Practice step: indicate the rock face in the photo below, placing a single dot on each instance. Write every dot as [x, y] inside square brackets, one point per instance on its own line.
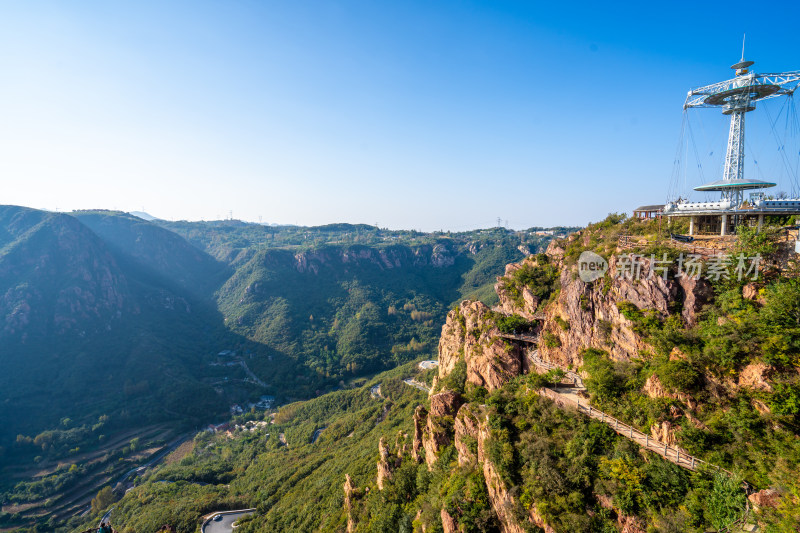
[420, 418]
[503, 503]
[438, 429]
[583, 315]
[384, 466]
[390, 460]
[469, 334]
[449, 524]
[349, 494]
[765, 498]
[663, 432]
[594, 318]
[507, 304]
[630, 524]
[466, 428]
[655, 389]
[697, 293]
[754, 376]
[587, 315]
[438, 255]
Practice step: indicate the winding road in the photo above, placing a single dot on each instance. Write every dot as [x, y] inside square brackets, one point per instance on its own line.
[225, 524]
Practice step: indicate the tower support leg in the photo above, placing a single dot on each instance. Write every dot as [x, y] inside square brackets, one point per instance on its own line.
[724, 230]
[760, 221]
[734, 156]
[691, 225]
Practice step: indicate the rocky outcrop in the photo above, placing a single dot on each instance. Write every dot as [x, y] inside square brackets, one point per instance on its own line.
[445, 404]
[664, 432]
[449, 524]
[587, 315]
[438, 429]
[349, 496]
[594, 318]
[765, 498]
[630, 524]
[503, 503]
[466, 429]
[655, 389]
[754, 376]
[385, 464]
[507, 305]
[390, 460]
[469, 334]
[420, 418]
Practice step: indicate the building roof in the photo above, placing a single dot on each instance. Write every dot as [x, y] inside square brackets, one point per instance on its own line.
[658, 207]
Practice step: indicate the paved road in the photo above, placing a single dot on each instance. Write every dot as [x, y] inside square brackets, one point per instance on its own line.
[417, 385]
[226, 524]
[316, 434]
[251, 375]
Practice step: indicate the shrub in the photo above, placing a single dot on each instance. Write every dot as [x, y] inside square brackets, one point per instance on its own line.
[550, 340]
[513, 324]
[679, 376]
[540, 279]
[457, 378]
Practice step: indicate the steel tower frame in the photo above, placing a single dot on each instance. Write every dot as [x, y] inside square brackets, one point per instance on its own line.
[736, 97]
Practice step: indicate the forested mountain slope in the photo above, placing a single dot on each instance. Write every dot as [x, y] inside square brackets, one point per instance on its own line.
[113, 324]
[707, 367]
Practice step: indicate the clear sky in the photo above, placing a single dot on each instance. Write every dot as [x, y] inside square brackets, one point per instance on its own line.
[409, 114]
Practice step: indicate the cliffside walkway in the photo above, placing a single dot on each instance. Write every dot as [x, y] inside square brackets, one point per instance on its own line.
[572, 399]
[534, 339]
[533, 359]
[670, 453]
[628, 242]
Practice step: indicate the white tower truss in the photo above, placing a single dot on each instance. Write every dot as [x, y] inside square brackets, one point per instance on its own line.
[736, 97]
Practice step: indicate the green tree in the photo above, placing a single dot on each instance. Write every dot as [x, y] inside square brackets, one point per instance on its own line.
[104, 498]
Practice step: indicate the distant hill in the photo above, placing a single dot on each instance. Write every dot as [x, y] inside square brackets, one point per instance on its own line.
[88, 330]
[143, 215]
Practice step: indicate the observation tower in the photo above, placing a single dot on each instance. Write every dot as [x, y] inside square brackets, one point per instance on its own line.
[736, 97]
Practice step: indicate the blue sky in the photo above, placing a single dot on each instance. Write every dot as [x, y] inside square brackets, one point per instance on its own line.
[424, 115]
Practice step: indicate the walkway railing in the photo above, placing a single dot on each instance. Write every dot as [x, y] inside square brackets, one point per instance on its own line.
[533, 358]
[520, 337]
[670, 453]
[629, 242]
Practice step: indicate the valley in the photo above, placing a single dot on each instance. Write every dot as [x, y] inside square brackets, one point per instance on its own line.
[119, 325]
[563, 406]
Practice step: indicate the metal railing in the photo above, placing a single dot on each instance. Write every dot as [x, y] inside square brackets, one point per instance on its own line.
[520, 337]
[534, 359]
[670, 453]
[629, 242]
